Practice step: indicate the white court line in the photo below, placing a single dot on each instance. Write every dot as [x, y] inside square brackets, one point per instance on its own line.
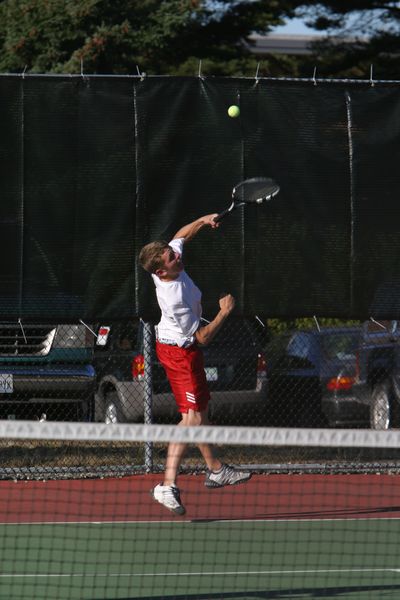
[202, 521]
[204, 573]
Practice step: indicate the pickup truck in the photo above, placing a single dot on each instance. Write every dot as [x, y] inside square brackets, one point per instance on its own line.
[46, 371]
[336, 376]
[376, 387]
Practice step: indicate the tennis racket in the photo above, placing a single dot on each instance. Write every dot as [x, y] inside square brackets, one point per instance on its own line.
[250, 191]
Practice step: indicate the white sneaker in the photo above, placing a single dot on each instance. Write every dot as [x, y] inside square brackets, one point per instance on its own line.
[227, 475]
[169, 496]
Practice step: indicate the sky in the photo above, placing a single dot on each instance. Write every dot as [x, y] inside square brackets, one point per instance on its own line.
[295, 27]
[354, 23]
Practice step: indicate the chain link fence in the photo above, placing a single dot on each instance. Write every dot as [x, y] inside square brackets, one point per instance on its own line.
[297, 374]
[260, 373]
[132, 389]
[272, 373]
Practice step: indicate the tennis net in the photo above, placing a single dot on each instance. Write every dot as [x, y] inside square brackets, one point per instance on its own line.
[89, 528]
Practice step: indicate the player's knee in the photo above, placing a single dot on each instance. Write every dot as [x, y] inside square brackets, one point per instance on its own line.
[194, 418]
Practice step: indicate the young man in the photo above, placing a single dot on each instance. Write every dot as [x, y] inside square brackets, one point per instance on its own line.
[178, 337]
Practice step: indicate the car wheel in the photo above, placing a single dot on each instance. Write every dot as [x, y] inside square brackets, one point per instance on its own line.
[112, 409]
[381, 406]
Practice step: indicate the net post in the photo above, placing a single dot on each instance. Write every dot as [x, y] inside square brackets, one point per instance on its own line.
[148, 391]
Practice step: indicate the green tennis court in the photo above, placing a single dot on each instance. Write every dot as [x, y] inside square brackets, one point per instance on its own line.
[279, 535]
[350, 558]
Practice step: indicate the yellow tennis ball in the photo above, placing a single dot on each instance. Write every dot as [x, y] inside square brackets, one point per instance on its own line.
[233, 111]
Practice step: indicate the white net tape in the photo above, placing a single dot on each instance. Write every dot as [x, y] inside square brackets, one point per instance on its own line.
[244, 436]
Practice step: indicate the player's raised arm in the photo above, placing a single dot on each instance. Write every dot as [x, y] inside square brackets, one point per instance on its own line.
[187, 232]
[204, 335]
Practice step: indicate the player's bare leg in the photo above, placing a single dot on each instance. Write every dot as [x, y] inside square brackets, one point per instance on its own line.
[219, 474]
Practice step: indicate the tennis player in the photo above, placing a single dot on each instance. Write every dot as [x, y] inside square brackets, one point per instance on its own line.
[179, 338]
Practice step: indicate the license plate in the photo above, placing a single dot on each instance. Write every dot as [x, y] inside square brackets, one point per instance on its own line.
[6, 384]
[211, 373]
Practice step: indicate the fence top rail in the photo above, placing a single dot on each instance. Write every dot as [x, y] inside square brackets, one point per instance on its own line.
[257, 78]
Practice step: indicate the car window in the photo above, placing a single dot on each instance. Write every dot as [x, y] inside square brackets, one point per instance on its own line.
[290, 351]
[127, 338]
[124, 342]
[299, 345]
[342, 346]
[235, 333]
[123, 337]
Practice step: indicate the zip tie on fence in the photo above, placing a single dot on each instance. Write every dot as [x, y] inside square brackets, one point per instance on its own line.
[257, 71]
[22, 329]
[83, 75]
[199, 73]
[88, 328]
[317, 324]
[259, 320]
[23, 72]
[314, 76]
[377, 322]
[371, 70]
[142, 75]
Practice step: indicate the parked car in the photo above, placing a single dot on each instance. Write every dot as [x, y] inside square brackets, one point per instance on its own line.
[234, 367]
[46, 371]
[377, 386]
[370, 395]
[311, 375]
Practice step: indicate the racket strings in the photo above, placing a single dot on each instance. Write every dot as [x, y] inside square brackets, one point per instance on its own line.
[255, 189]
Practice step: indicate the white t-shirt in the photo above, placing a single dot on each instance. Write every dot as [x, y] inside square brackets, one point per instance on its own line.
[180, 304]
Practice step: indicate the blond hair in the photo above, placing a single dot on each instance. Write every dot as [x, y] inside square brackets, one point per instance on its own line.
[150, 256]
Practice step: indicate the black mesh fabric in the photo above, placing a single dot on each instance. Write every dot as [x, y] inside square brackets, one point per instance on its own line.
[92, 168]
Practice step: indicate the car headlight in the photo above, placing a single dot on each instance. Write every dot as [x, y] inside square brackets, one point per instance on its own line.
[73, 336]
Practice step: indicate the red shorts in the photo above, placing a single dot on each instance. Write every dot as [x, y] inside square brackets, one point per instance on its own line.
[185, 371]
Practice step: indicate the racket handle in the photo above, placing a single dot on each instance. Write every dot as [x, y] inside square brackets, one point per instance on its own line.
[222, 215]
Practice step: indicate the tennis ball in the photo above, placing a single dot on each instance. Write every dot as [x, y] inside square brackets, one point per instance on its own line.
[233, 111]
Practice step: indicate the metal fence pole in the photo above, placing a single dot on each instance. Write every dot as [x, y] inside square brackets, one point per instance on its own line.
[148, 391]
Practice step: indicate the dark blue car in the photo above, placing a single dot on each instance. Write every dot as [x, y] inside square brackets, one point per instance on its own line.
[311, 376]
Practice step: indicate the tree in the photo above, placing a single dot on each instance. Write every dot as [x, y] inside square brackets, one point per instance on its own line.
[117, 36]
[172, 36]
[361, 33]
